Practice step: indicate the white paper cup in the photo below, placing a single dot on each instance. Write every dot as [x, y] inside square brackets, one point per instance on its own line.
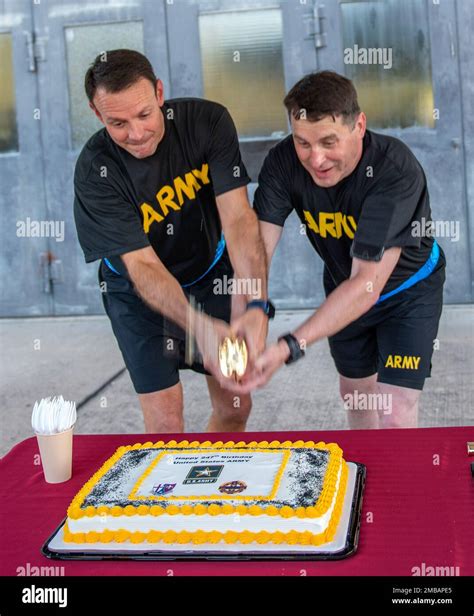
[56, 455]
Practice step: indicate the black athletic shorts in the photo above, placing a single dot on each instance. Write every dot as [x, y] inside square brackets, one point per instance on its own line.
[152, 346]
[395, 338]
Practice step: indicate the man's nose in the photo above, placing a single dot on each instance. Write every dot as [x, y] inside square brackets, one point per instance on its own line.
[136, 132]
[317, 158]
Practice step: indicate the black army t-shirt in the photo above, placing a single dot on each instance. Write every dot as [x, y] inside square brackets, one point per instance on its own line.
[167, 200]
[367, 212]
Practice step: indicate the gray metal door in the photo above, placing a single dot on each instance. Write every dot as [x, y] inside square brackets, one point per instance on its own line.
[72, 34]
[403, 58]
[25, 244]
[244, 54]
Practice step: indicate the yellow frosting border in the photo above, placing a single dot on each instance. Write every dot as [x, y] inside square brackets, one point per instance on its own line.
[229, 537]
[276, 484]
[75, 510]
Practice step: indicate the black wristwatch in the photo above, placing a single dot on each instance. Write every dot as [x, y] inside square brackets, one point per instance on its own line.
[265, 305]
[296, 352]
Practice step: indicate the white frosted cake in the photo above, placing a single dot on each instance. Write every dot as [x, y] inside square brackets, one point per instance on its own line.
[218, 493]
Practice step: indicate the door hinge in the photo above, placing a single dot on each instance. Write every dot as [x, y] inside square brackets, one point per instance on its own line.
[52, 271]
[35, 50]
[317, 26]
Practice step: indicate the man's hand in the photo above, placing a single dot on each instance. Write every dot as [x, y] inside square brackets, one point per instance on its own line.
[253, 327]
[209, 333]
[264, 368]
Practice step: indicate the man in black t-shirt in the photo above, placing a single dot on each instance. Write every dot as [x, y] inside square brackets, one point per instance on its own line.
[161, 199]
[360, 197]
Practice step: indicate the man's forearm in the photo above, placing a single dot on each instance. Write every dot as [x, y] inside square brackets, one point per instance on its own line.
[247, 254]
[345, 304]
[162, 292]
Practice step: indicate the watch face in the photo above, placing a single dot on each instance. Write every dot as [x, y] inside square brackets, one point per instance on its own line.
[296, 352]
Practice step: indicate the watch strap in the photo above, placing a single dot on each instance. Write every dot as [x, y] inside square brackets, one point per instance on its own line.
[296, 352]
[265, 305]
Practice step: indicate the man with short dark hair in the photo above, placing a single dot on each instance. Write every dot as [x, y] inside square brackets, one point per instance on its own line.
[161, 199]
[358, 194]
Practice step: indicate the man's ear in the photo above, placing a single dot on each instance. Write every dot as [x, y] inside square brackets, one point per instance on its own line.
[361, 123]
[159, 92]
[94, 109]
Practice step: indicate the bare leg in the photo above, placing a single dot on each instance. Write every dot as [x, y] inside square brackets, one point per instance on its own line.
[403, 408]
[163, 410]
[353, 392]
[229, 410]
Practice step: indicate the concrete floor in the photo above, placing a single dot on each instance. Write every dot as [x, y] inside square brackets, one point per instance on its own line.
[78, 358]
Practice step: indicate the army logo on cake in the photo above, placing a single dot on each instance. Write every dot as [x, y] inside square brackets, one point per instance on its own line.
[204, 474]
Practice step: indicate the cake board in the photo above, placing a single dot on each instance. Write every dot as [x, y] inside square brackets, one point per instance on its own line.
[344, 544]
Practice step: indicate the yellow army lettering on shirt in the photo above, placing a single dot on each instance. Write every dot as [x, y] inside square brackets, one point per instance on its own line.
[332, 223]
[407, 362]
[171, 197]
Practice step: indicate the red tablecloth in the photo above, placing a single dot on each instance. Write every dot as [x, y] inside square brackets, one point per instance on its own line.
[418, 505]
